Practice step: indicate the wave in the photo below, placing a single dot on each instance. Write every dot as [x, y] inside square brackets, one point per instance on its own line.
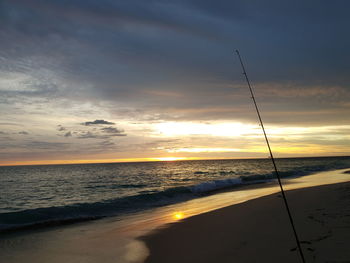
[42, 217]
[87, 211]
[60, 215]
[215, 185]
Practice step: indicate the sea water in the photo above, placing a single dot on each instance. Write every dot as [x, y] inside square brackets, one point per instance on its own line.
[58, 194]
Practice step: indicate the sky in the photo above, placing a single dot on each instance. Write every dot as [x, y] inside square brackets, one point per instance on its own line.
[105, 81]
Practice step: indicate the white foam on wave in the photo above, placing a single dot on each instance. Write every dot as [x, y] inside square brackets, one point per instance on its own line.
[215, 185]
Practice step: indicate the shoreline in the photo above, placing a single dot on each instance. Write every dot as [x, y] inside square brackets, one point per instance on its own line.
[120, 240]
[192, 195]
[46, 225]
[258, 230]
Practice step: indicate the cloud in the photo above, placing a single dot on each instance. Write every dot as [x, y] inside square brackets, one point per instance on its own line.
[111, 69]
[68, 134]
[23, 133]
[159, 61]
[92, 132]
[112, 130]
[86, 135]
[97, 122]
[61, 128]
[95, 135]
[106, 143]
[44, 145]
[9, 124]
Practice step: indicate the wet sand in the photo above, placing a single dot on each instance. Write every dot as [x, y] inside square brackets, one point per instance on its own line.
[259, 230]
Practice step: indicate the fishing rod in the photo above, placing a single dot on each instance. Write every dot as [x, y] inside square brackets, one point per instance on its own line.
[272, 159]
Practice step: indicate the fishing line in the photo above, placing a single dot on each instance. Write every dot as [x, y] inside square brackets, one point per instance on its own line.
[272, 159]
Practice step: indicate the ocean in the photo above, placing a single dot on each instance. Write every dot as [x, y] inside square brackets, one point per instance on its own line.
[44, 195]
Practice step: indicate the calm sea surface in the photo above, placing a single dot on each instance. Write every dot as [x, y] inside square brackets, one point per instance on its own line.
[54, 194]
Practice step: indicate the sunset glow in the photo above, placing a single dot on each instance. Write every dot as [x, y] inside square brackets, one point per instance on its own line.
[210, 129]
[170, 158]
[203, 150]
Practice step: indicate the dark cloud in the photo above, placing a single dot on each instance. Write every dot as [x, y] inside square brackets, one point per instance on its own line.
[61, 128]
[112, 130]
[23, 133]
[97, 122]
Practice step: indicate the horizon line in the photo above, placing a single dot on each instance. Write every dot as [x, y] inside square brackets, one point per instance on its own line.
[155, 159]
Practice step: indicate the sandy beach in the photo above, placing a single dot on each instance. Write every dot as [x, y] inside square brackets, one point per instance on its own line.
[259, 231]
